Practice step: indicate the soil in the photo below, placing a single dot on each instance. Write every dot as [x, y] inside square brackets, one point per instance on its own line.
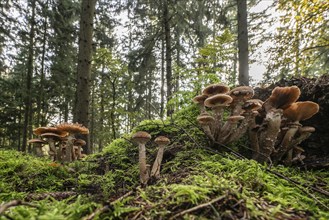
[317, 90]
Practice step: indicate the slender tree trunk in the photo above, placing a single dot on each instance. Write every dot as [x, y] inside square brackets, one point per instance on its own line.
[162, 92]
[28, 98]
[40, 97]
[243, 43]
[84, 66]
[168, 55]
[114, 95]
[102, 110]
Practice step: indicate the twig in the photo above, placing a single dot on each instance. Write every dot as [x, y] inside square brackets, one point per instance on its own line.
[55, 195]
[13, 203]
[97, 212]
[321, 191]
[198, 207]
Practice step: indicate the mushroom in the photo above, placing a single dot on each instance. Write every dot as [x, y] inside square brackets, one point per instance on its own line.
[206, 121]
[240, 95]
[229, 127]
[161, 141]
[249, 111]
[268, 134]
[200, 101]
[282, 97]
[298, 111]
[297, 157]
[37, 143]
[78, 143]
[51, 139]
[215, 89]
[72, 129]
[218, 103]
[141, 138]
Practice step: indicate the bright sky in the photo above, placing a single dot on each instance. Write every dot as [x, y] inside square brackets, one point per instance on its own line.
[258, 69]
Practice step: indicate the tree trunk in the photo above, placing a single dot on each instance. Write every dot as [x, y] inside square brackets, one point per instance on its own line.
[40, 97]
[28, 98]
[84, 66]
[162, 92]
[168, 55]
[243, 43]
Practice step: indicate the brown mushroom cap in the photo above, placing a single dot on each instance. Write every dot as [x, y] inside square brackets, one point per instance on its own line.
[282, 97]
[162, 140]
[36, 141]
[79, 142]
[55, 130]
[141, 137]
[51, 135]
[300, 111]
[205, 119]
[73, 128]
[199, 99]
[252, 105]
[214, 89]
[235, 118]
[242, 92]
[218, 100]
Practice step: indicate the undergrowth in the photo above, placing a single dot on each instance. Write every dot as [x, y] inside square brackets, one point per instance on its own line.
[191, 176]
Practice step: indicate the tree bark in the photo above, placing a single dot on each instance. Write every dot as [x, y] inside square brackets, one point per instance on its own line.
[168, 55]
[243, 43]
[84, 66]
[28, 98]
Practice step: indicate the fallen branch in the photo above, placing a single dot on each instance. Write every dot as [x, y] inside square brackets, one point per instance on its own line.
[55, 195]
[198, 207]
[14, 203]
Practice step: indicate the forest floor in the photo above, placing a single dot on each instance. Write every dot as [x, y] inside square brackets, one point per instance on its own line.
[197, 182]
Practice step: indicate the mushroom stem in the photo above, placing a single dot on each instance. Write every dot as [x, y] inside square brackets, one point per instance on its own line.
[69, 149]
[218, 113]
[52, 148]
[38, 150]
[207, 131]
[144, 177]
[157, 163]
[284, 147]
[269, 135]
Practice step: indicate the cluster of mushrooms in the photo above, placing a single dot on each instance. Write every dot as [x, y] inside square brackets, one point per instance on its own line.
[63, 145]
[141, 138]
[273, 126]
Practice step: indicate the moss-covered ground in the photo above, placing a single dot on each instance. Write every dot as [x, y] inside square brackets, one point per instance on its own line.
[196, 183]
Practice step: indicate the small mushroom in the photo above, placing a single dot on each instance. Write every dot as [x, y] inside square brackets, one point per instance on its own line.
[229, 127]
[51, 139]
[206, 121]
[200, 101]
[161, 141]
[72, 129]
[79, 143]
[141, 138]
[296, 112]
[218, 103]
[37, 143]
[215, 89]
[240, 95]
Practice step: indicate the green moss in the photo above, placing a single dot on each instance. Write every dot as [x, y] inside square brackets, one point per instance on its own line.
[190, 176]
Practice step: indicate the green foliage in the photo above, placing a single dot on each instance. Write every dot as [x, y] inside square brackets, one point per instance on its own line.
[23, 173]
[70, 209]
